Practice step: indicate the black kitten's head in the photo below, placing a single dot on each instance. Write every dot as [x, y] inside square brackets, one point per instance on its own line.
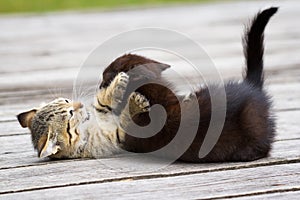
[135, 66]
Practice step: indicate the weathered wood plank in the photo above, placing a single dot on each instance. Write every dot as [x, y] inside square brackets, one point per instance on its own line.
[16, 144]
[53, 52]
[293, 194]
[35, 80]
[61, 30]
[13, 104]
[29, 172]
[284, 95]
[229, 66]
[287, 125]
[11, 128]
[225, 53]
[203, 185]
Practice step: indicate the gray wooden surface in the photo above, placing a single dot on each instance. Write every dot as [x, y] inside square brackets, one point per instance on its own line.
[40, 56]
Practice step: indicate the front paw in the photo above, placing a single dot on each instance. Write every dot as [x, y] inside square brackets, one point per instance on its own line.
[138, 103]
[119, 87]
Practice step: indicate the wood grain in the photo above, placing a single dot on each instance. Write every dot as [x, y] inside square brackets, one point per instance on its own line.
[29, 173]
[40, 56]
[211, 185]
[280, 194]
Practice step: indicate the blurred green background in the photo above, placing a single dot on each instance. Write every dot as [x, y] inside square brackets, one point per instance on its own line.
[14, 6]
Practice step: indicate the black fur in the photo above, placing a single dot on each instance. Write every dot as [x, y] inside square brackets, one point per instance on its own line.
[254, 47]
[249, 127]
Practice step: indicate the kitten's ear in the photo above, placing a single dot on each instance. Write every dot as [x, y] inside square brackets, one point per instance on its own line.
[25, 118]
[47, 146]
[163, 67]
[147, 71]
[156, 68]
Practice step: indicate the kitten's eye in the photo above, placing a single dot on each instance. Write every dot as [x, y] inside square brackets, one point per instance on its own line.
[66, 101]
[71, 112]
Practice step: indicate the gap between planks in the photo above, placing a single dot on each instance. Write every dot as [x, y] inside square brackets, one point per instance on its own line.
[99, 171]
[161, 175]
[255, 194]
[279, 194]
[196, 184]
[282, 150]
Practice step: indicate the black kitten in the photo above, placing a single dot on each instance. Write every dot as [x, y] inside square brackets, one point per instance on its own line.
[249, 128]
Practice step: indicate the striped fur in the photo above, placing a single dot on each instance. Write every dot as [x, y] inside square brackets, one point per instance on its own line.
[66, 129]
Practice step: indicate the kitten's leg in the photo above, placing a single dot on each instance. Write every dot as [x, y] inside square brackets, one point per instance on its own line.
[110, 97]
[136, 104]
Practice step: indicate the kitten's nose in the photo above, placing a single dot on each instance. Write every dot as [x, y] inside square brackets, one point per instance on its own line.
[77, 105]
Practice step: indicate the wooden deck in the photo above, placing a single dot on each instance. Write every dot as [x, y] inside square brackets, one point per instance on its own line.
[41, 54]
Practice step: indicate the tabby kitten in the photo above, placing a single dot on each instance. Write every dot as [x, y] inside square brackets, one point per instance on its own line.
[66, 129]
[249, 128]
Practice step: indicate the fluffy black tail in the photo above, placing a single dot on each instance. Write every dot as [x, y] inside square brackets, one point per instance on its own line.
[254, 47]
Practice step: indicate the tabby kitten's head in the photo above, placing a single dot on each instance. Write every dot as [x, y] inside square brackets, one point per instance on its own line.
[54, 127]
